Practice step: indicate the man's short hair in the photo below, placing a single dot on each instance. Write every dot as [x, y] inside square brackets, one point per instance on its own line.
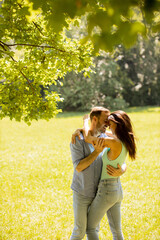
[96, 111]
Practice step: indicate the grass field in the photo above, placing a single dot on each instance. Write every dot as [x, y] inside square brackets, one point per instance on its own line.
[36, 173]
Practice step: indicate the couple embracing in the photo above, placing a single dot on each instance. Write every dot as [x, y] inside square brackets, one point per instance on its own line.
[99, 161]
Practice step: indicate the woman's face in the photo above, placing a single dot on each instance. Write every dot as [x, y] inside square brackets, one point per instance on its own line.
[112, 126]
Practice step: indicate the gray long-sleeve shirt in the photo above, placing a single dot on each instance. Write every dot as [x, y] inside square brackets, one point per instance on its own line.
[86, 181]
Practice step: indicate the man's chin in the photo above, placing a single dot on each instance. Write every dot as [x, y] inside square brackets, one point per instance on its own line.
[103, 130]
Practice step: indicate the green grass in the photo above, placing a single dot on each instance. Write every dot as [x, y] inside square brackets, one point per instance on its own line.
[36, 174]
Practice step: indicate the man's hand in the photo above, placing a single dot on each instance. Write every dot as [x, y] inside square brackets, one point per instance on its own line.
[99, 145]
[76, 134]
[86, 162]
[115, 172]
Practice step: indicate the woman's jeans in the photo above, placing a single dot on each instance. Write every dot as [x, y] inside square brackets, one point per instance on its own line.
[108, 199]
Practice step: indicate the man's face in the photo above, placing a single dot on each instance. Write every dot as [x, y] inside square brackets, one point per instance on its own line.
[102, 123]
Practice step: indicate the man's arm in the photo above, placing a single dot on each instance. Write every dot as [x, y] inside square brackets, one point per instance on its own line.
[77, 151]
[86, 162]
[116, 172]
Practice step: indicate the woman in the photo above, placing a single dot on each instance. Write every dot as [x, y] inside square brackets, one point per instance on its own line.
[109, 195]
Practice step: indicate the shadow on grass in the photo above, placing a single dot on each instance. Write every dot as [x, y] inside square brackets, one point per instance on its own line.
[128, 110]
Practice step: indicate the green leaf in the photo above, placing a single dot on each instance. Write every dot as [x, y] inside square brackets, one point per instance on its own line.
[156, 28]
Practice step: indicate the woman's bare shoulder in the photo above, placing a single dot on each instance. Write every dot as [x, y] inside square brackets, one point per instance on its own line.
[114, 142]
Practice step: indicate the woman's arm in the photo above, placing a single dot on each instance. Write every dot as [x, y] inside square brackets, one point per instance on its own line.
[83, 130]
[85, 124]
[110, 142]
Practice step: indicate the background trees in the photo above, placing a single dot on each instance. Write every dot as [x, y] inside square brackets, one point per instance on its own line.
[141, 63]
[128, 77]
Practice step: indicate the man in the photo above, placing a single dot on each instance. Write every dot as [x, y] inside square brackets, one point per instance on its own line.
[87, 163]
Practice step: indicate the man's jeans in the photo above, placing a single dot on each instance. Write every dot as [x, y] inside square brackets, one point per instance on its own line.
[108, 199]
[80, 207]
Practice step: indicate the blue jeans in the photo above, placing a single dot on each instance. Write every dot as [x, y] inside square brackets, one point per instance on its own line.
[80, 207]
[108, 199]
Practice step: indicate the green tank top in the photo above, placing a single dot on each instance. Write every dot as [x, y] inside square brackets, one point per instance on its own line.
[120, 159]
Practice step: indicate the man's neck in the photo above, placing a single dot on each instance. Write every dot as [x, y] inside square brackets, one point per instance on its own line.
[94, 132]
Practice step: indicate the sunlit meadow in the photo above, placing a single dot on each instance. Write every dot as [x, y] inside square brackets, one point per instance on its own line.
[36, 174]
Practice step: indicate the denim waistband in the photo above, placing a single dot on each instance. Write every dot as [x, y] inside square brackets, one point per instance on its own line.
[110, 180]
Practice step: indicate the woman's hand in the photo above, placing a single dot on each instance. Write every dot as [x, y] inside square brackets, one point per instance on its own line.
[109, 134]
[76, 134]
[86, 117]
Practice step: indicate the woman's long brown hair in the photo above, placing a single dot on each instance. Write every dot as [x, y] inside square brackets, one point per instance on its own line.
[124, 131]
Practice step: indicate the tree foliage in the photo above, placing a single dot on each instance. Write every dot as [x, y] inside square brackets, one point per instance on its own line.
[35, 52]
[109, 22]
[33, 57]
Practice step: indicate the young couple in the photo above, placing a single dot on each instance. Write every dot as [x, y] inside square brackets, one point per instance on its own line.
[98, 161]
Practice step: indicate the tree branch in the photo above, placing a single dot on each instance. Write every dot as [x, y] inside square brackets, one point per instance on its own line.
[37, 26]
[143, 18]
[33, 45]
[20, 71]
[27, 80]
[2, 44]
[2, 51]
